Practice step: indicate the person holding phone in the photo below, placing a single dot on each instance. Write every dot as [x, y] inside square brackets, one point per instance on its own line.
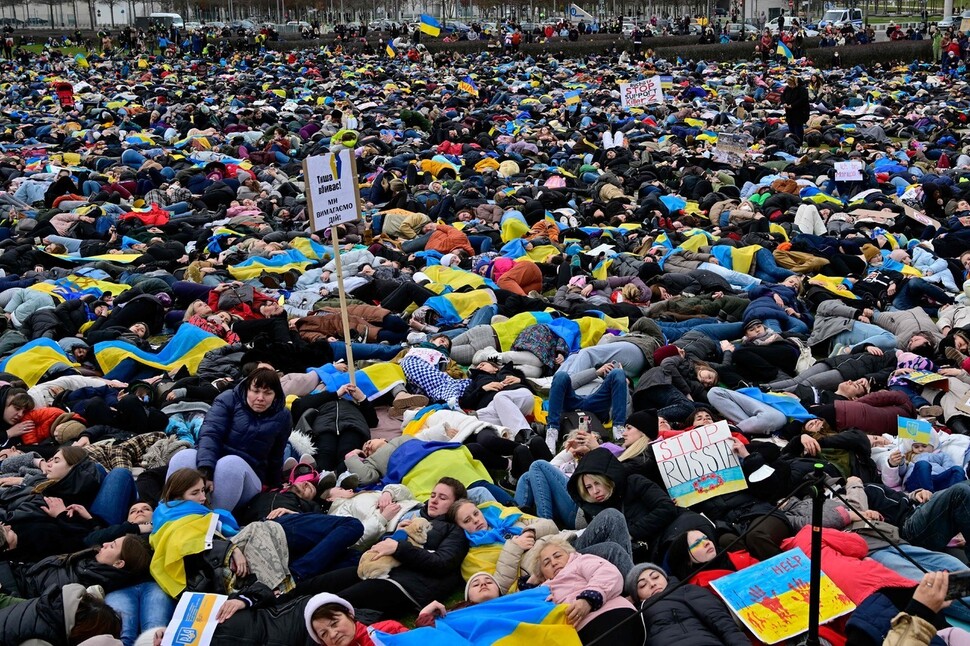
[915, 625]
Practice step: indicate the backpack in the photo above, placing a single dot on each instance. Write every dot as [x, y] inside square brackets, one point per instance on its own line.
[209, 571]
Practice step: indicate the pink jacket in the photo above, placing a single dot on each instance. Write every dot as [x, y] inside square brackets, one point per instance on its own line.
[588, 572]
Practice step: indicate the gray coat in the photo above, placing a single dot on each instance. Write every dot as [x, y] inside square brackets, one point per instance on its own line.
[373, 468]
[833, 317]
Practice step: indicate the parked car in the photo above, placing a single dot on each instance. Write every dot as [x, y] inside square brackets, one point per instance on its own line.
[37, 22]
[733, 30]
[838, 18]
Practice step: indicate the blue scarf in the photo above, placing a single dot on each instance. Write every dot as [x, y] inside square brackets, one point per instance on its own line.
[499, 529]
[169, 511]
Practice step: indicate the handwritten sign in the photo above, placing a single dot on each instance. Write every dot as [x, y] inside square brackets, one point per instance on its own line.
[771, 598]
[699, 464]
[194, 620]
[918, 430]
[331, 185]
[848, 171]
[640, 93]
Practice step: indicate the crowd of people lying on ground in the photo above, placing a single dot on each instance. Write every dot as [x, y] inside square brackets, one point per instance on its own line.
[540, 288]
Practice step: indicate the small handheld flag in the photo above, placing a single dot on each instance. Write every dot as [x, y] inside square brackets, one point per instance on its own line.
[571, 97]
[391, 52]
[468, 85]
[429, 25]
[784, 51]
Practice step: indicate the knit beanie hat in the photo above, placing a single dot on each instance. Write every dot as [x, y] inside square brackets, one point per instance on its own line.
[870, 252]
[630, 581]
[475, 576]
[645, 422]
[664, 352]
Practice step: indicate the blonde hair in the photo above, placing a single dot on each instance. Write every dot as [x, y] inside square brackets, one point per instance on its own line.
[532, 559]
[598, 479]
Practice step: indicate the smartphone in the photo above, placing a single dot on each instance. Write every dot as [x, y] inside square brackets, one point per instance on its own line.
[584, 423]
[959, 586]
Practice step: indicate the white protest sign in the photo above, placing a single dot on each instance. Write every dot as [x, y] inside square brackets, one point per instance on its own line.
[645, 92]
[331, 187]
[194, 620]
[699, 464]
[848, 171]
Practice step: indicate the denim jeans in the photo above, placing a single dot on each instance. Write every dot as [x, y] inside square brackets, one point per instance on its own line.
[142, 607]
[365, 351]
[916, 291]
[116, 495]
[767, 269]
[735, 278]
[544, 487]
[717, 330]
[922, 477]
[931, 561]
[783, 324]
[941, 518]
[607, 402]
[866, 333]
[670, 403]
[317, 541]
[608, 526]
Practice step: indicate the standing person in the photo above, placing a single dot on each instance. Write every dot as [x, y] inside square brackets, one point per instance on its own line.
[795, 99]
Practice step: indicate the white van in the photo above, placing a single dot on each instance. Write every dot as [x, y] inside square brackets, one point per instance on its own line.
[167, 19]
[838, 18]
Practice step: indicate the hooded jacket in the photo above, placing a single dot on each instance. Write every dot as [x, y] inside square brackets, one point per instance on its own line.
[63, 569]
[47, 619]
[648, 509]
[231, 427]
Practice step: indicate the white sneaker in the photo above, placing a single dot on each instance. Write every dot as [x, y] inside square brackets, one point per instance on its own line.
[552, 439]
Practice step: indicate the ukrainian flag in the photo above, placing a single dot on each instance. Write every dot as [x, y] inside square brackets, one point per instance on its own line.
[373, 380]
[186, 348]
[784, 51]
[32, 360]
[429, 25]
[572, 97]
[278, 264]
[521, 618]
[468, 85]
[391, 52]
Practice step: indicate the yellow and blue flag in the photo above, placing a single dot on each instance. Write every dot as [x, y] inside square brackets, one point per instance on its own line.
[279, 264]
[391, 52]
[374, 380]
[784, 51]
[572, 97]
[521, 618]
[186, 348]
[429, 25]
[468, 85]
[33, 359]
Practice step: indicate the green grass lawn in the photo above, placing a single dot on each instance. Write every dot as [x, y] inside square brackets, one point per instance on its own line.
[877, 20]
[66, 51]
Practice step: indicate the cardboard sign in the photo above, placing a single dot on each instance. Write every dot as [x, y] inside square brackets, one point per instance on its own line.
[848, 171]
[331, 187]
[732, 148]
[771, 598]
[194, 620]
[922, 378]
[918, 430]
[645, 92]
[699, 464]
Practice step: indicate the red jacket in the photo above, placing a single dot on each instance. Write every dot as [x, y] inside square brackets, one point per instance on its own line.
[245, 311]
[362, 636]
[845, 561]
[740, 560]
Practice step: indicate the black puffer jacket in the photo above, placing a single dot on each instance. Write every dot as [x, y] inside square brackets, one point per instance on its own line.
[433, 572]
[58, 571]
[645, 505]
[690, 616]
[48, 618]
